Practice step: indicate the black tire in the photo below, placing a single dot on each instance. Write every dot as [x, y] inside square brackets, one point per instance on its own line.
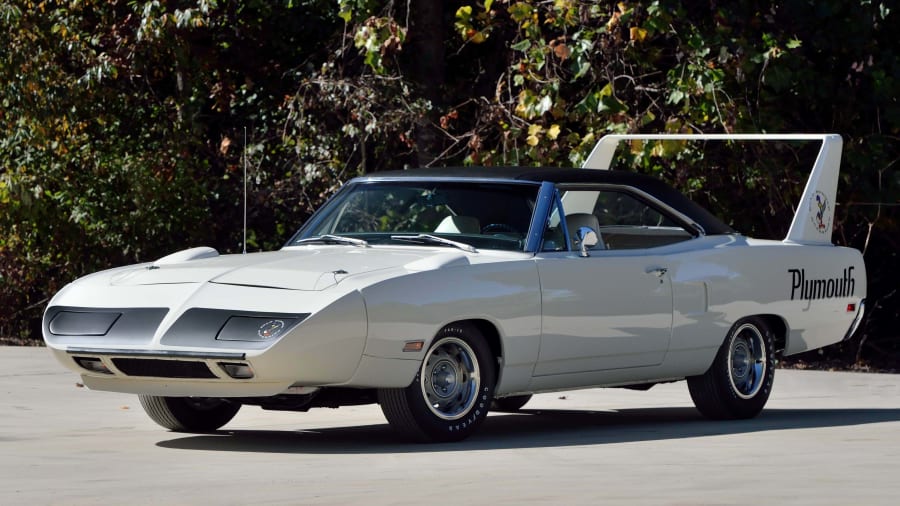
[189, 414]
[510, 404]
[451, 393]
[739, 382]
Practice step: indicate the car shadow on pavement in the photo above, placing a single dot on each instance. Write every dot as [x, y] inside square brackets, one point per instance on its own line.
[531, 429]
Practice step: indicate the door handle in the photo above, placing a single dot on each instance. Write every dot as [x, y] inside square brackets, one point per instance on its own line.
[657, 271]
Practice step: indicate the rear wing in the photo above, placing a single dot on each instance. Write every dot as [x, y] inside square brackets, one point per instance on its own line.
[815, 212]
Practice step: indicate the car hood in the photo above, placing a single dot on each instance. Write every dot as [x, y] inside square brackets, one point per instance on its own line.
[297, 268]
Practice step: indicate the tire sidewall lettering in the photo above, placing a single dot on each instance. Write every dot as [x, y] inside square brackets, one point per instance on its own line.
[478, 411]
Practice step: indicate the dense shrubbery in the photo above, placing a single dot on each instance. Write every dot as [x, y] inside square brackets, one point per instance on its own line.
[123, 122]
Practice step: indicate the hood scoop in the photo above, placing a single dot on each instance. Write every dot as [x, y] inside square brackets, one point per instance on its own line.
[186, 256]
[155, 274]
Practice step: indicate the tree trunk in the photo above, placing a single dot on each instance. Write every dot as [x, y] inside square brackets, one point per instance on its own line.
[425, 46]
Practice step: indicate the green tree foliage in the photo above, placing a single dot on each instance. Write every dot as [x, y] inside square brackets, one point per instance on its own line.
[121, 124]
[123, 121]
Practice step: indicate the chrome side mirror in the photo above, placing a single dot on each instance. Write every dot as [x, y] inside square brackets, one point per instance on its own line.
[587, 239]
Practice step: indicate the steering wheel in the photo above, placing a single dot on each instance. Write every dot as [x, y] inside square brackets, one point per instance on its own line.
[498, 227]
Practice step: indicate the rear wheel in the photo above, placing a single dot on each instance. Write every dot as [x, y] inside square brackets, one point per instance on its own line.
[452, 392]
[189, 414]
[510, 404]
[739, 382]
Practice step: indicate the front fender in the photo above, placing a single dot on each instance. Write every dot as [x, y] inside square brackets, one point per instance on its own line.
[416, 306]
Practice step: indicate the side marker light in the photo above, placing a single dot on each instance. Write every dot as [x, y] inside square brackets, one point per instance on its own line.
[413, 346]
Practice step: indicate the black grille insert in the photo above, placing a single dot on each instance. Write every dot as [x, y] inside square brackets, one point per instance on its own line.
[158, 368]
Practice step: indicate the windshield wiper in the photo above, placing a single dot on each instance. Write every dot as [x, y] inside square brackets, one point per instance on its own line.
[433, 239]
[334, 239]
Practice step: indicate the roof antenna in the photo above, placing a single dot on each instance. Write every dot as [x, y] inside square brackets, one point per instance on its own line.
[245, 190]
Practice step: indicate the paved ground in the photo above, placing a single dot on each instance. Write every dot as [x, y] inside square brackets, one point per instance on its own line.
[826, 438]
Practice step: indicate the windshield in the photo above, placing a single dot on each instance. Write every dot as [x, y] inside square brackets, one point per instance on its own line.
[479, 214]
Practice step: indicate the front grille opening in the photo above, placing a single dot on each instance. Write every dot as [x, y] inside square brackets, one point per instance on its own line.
[156, 368]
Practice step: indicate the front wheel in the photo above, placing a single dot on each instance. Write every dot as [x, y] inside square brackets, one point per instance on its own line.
[452, 392]
[739, 382]
[189, 414]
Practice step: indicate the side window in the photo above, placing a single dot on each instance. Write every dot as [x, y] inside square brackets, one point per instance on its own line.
[622, 219]
[616, 208]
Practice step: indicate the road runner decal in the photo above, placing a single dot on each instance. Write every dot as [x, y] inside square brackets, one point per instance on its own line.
[809, 289]
[820, 212]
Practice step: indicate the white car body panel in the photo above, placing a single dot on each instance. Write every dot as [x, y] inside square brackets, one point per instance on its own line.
[598, 326]
[561, 321]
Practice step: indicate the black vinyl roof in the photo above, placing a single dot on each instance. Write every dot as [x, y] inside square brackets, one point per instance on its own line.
[647, 184]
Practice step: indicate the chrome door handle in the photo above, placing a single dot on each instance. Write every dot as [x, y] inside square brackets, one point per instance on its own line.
[657, 271]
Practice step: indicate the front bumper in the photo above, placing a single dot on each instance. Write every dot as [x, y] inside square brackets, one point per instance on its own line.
[185, 354]
[166, 373]
[325, 349]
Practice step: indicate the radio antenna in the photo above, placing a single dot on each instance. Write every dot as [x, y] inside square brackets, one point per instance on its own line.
[245, 190]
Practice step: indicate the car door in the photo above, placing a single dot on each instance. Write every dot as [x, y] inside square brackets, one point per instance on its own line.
[613, 308]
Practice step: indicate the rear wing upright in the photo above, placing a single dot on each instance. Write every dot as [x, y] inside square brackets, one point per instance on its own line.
[815, 212]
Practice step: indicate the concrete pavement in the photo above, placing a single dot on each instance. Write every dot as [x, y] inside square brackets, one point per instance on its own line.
[825, 438]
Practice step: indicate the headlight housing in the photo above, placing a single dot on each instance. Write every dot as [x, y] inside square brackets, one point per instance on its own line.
[83, 323]
[257, 328]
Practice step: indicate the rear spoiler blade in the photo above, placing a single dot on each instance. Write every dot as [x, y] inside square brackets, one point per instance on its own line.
[814, 215]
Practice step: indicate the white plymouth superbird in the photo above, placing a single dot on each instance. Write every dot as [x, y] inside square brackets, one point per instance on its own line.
[443, 293]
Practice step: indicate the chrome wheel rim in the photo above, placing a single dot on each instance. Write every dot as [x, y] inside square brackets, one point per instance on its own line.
[747, 365]
[450, 378]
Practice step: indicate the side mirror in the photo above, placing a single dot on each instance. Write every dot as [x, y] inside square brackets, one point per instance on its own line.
[587, 239]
